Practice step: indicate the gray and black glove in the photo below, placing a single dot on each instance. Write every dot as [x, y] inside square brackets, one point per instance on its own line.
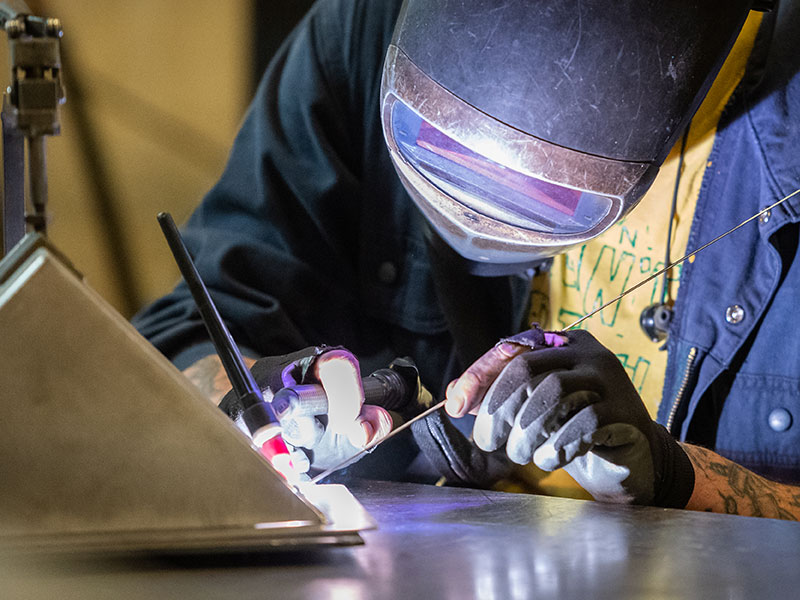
[314, 444]
[273, 373]
[311, 444]
[575, 407]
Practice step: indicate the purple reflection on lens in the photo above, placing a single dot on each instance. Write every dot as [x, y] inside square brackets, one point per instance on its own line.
[560, 198]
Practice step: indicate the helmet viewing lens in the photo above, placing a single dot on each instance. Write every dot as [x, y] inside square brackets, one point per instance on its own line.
[491, 188]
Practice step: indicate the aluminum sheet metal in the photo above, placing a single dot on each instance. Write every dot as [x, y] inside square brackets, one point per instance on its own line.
[457, 543]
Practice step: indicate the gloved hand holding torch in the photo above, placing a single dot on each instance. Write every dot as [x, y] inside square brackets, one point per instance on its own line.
[321, 400]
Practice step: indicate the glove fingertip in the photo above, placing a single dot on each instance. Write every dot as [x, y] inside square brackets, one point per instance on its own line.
[485, 435]
[300, 461]
[520, 458]
[548, 458]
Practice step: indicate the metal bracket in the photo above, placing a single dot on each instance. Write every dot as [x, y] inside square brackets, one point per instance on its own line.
[30, 112]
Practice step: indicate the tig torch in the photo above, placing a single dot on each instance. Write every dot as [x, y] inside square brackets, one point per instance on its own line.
[385, 387]
[258, 415]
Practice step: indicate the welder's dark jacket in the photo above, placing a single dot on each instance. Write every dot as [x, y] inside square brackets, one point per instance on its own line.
[310, 238]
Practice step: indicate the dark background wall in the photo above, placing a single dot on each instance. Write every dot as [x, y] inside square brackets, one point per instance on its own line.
[272, 23]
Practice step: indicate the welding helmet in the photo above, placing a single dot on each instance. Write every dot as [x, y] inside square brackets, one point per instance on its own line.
[525, 127]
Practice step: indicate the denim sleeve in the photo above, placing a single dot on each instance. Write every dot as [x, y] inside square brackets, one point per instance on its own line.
[276, 239]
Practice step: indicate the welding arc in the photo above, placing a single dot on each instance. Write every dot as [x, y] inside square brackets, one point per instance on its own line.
[436, 407]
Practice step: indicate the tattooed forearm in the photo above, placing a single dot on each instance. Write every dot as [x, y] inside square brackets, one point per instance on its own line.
[209, 376]
[723, 486]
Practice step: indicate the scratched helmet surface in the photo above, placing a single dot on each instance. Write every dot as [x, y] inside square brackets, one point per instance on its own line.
[523, 128]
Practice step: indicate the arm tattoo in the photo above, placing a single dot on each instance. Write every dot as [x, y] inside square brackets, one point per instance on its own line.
[723, 486]
[209, 377]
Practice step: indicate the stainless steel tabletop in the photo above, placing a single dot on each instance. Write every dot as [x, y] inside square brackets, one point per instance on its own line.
[458, 543]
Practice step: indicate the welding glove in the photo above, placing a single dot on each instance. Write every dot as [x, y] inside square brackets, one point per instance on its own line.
[319, 442]
[575, 407]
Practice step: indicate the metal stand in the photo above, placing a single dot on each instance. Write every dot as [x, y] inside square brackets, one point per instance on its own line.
[30, 112]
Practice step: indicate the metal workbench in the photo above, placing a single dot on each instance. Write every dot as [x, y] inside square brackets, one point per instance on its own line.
[457, 543]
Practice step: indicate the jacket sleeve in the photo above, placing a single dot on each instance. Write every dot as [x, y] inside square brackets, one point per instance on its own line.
[275, 240]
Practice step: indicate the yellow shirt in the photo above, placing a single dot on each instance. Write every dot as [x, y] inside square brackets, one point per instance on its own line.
[587, 276]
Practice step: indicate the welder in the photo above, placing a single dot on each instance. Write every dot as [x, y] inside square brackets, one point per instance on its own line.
[424, 178]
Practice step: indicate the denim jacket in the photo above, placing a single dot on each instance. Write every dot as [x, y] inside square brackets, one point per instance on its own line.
[733, 374]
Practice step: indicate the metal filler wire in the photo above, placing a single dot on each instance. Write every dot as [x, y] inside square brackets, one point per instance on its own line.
[679, 261]
[375, 443]
[435, 407]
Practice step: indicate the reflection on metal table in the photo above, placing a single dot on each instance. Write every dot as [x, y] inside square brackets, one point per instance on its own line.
[459, 543]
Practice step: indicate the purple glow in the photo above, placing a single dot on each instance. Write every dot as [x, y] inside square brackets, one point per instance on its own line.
[560, 198]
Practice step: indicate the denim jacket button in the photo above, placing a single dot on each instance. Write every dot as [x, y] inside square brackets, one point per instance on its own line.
[764, 217]
[734, 314]
[387, 272]
[780, 419]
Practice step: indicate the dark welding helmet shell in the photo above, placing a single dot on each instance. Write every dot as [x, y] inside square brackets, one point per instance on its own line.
[525, 127]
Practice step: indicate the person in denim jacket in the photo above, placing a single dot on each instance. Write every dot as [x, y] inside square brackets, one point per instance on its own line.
[309, 237]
